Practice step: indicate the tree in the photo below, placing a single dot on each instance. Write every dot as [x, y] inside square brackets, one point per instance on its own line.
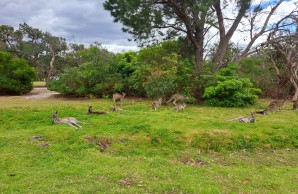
[282, 43]
[151, 21]
[55, 46]
[7, 38]
[33, 45]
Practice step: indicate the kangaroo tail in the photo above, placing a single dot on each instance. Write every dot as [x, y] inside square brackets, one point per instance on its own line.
[102, 112]
[262, 112]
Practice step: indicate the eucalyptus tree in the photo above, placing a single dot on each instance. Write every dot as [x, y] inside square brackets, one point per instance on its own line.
[35, 46]
[7, 38]
[282, 44]
[55, 46]
[152, 21]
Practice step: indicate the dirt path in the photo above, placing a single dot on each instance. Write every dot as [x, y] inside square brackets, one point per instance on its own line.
[40, 93]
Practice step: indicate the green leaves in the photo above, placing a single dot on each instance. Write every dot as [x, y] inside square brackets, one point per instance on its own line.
[16, 76]
[97, 76]
[230, 90]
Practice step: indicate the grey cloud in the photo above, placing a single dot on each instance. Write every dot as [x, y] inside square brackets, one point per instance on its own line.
[81, 21]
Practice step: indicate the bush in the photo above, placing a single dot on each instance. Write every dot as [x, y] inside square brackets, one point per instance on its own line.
[16, 76]
[96, 78]
[230, 91]
[160, 86]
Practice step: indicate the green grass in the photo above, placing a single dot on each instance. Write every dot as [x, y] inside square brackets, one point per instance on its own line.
[39, 84]
[139, 150]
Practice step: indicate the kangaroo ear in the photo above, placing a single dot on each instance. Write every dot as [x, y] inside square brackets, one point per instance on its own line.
[56, 112]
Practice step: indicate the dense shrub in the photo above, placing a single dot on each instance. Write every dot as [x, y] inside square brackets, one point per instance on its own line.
[160, 86]
[96, 78]
[229, 90]
[161, 72]
[16, 76]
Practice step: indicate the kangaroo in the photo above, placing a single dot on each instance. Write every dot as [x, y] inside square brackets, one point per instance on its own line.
[118, 97]
[68, 120]
[156, 104]
[272, 106]
[90, 111]
[244, 119]
[177, 97]
[115, 108]
[179, 107]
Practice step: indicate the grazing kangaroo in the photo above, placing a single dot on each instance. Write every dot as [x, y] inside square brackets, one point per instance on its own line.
[90, 111]
[272, 106]
[118, 97]
[68, 120]
[177, 97]
[244, 119]
[179, 107]
[156, 104]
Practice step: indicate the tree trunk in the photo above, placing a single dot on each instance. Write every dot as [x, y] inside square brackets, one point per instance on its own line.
[295, 96]
[199, 60]
[51, 68]
[281, 84]
[220, 53]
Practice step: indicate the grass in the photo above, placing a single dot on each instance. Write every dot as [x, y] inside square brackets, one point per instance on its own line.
[138, 150]
[39, 84]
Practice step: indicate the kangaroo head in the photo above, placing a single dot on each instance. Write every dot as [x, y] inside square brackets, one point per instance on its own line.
[54, 116]
[89, 110]
[123, 94]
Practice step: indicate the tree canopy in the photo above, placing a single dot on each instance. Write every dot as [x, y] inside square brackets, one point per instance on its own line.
[152, 21]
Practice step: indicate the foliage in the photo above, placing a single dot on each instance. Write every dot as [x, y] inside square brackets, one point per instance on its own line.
[39, 48]
[160, 71]
[16, 76]
[97, 77]
[160, 86]
[230, 90]
[259, 71]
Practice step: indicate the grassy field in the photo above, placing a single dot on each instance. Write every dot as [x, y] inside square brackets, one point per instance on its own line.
[138, 150]
[39, 84]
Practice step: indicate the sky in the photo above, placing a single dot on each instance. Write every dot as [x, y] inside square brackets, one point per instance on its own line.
[86, 21]
[79, 21]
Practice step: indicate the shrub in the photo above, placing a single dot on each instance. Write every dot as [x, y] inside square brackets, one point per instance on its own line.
[16, 76]
[160, 86]
[96, 78]
[230, 91]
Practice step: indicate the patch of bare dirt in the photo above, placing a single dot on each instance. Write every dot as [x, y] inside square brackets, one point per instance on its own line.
[126, 182]
[40, 93]
[102, 142]
[192, 161]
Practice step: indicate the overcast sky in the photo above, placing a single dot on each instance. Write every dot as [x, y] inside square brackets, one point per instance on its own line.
[85, 21]
[80, 21]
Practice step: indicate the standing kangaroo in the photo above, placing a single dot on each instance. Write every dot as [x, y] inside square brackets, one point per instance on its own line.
[118, 97]
[179, 107]
[244, 119]
[272, 106]
[68, 120]
[156, 104]
[177, 97]
[90, 111]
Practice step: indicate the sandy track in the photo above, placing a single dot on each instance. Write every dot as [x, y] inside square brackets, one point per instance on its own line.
[40, 93]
